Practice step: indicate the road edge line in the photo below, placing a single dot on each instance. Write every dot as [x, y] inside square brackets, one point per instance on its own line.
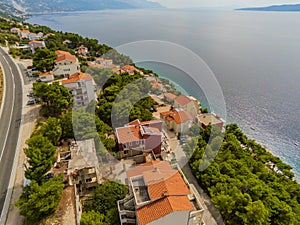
[4, 89]
[7, 201]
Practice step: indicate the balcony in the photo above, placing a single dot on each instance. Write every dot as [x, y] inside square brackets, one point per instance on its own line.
[126, 210]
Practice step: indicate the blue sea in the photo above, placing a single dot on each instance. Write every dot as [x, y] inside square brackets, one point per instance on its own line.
[254, 56]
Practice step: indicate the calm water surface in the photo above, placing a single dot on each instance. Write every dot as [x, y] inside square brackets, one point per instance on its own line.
[254, 55]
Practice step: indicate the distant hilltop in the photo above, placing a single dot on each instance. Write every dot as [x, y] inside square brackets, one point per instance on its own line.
[46, 6]
[280, 8]
[9, 11]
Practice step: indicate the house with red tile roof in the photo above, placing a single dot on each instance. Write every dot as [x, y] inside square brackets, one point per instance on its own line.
[187, 103]
[159, 194]
[24, 34]
[212, 119]
[66, 64]
[177, 120]
[46, 77]
[136, 137]
[82, 50]
[81, 85]
[169, 97]
[131, 70]
[102, 63]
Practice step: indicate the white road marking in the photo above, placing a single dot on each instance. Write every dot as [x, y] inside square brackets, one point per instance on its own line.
[11, 111]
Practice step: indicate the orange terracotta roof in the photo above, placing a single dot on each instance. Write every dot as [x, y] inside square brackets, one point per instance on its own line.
[66, 57]
[76, 77]
[61, 52]
[166, 188]
[135, 122]
[177, 116]
[150, 122]
[165, 183]
[128, 134]
[63, 55]
[128, 67]
[182, 100]
[132, 131]
[34, 41]
[170, 95]
[156, 85]
[46, 74]
[25, 31]
[162, 207]
[116, 70]
[160, 178]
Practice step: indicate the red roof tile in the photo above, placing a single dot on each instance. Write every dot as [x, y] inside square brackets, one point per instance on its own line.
[177, 116]
[166, 189]
[182, 100]
[162, 207]
[34, 41]
[76, 77]
[132, 131]
[63, 55]
[46, 74]
[170, 95]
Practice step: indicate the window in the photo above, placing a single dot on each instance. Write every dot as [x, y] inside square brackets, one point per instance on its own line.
[137, 142]
[126, 152]
[130, 143]
[143, 142]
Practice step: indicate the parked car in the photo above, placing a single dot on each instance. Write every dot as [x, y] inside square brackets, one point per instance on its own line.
[168, 149]
[48, 176]
[33, 101]
[31, 94]
[183, 140]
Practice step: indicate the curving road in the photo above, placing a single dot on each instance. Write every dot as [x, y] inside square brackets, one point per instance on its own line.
[10, 120]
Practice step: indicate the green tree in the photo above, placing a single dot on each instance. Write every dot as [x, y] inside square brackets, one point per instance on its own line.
[256, 214]
[67, 125]
[100, 75]
[55, 97]
[87, 125]
[105, 197]
[40, 153]
[43, 59]
[92, 218]
[38, 202]
[51, 130]
[240, 182]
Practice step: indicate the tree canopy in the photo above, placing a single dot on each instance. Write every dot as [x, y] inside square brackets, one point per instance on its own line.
[243, 185]
[39, 201]
[40, 153]
[55, 97]
[51, 129]
[124, 98]
[43, 59]
[103, 202]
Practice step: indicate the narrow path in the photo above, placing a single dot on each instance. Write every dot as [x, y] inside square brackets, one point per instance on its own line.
[211, 215]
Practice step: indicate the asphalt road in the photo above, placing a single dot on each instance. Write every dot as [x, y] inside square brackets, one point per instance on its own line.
[9, 122]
